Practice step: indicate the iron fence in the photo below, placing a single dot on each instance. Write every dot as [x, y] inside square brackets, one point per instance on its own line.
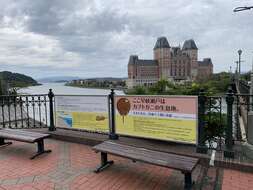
[244, 87]
[25, 111]
[222, 121]
[218, 116]
[215, 122]
[242, 105]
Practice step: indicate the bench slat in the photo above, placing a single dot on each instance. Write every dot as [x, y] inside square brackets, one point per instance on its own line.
[150, 152]
[17, 137]
[15, 134]
[182, 163]
[29, 133]
[168, 162]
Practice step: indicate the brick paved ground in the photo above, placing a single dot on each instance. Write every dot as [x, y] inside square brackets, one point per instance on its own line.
[235, 180]
[70, 166]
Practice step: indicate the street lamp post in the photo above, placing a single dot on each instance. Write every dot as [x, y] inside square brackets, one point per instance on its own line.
[239, 62]
[236, 73]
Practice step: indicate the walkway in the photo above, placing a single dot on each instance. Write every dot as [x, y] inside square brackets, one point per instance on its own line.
[70, 166]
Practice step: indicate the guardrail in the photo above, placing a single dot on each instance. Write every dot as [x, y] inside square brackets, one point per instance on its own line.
[244, 87]
[215, 120]
[27, 111]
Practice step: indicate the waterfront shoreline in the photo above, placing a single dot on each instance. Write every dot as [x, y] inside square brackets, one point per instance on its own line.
[89, 87]
[61, 89]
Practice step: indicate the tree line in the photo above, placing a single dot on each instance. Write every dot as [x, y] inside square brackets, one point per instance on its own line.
[214, 85]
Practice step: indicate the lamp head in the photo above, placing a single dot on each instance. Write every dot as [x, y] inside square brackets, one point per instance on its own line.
[239, 51]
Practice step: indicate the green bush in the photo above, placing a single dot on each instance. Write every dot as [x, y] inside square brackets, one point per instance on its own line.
[215, 125]
[138, 90]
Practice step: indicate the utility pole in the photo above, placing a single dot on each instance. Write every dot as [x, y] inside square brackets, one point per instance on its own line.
[239, 62]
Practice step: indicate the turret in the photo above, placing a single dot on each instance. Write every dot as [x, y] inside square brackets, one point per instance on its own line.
[191, 50]
[132, 66]
[162, 55]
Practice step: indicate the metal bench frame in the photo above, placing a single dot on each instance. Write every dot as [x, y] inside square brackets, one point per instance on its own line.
[188, 183]
[40, 144]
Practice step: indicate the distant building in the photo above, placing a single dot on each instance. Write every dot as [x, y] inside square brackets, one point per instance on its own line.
[205, 68]
[170, 63]
[119, 83]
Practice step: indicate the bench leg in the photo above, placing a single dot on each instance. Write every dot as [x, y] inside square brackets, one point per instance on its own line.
[3, 143]
[104, 163]
[41, 149]
[188, 181]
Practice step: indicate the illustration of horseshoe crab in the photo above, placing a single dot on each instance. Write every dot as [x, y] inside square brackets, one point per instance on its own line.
[123, 106]
[100, 118]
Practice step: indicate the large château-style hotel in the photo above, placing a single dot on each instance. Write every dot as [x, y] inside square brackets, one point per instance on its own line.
[170, 63]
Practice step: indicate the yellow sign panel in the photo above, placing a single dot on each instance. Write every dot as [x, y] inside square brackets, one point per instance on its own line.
[90, 121]
[83, 112]
[156, 117]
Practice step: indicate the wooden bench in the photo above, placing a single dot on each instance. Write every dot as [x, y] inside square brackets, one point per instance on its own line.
[24, 136]
[185, 164]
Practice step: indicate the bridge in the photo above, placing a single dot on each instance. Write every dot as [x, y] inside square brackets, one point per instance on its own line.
[244, 105]
[243, 87]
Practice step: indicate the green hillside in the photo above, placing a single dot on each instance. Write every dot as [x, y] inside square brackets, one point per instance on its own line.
[16, 79]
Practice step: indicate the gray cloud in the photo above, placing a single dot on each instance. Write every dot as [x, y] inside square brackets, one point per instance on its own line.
[95, 38]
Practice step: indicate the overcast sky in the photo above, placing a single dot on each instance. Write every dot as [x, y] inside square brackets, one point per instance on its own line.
[94, 38]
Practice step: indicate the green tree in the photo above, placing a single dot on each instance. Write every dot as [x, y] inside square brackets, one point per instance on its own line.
[216, 84]
[16, 79]
[160, 87]
[138, 90]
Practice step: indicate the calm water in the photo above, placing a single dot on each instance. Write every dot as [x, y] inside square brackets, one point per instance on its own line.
[59, 88]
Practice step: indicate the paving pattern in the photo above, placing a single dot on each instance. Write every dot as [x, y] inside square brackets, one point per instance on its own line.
[70, 167]
[235, 180]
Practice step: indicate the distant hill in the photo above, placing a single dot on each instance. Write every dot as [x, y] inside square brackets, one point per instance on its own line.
[57, 79]
[17, 79]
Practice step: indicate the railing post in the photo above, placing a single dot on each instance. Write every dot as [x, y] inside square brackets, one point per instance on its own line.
[112, 133]
[201, 146]
[228, 152]
[51, 110]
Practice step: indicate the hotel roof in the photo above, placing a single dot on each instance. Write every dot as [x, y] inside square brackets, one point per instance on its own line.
[162, 42]
[189, 44]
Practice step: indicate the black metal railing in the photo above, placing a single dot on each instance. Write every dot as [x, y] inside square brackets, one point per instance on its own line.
[212, 122]
[244, 87]
[26, 111]
[220, 120]
[243, 104]
[215, 122]
[213, 126]
[218, 116]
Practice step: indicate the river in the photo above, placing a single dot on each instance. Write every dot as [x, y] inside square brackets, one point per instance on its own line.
[60, 89]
